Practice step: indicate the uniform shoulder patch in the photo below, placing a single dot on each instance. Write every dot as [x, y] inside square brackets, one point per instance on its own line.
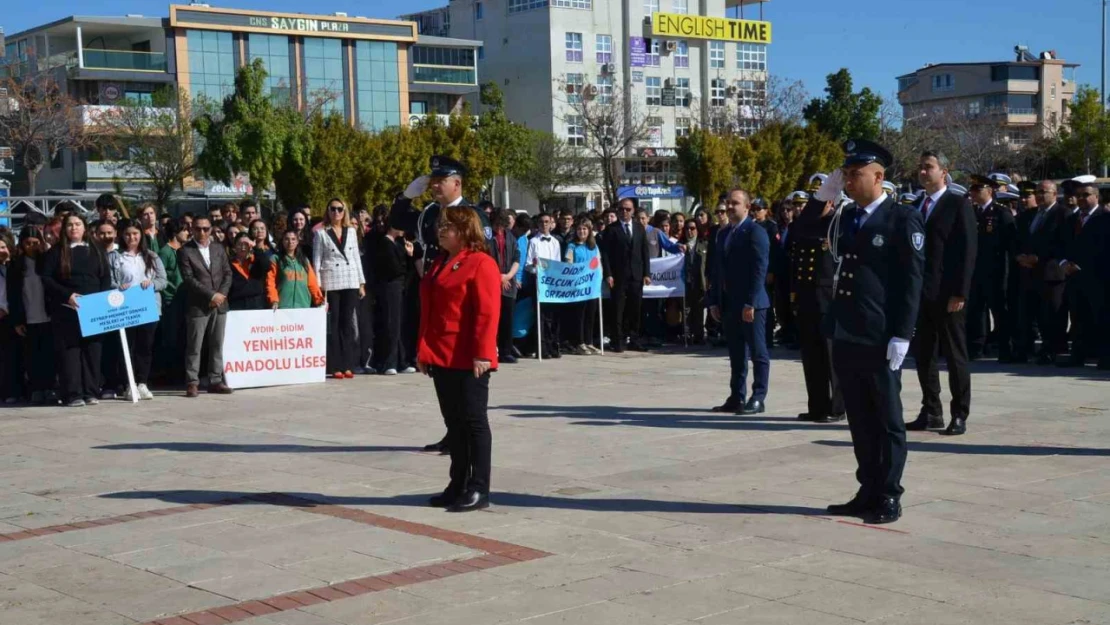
[488, 231]
[918, 240]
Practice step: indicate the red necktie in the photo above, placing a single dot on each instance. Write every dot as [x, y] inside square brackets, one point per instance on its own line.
[925, 207]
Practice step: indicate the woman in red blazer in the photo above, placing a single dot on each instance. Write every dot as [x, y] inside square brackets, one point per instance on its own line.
[460, 303]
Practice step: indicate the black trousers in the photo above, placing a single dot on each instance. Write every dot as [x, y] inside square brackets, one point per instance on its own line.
[822, 387]
[505, 326]
[389, 349]
[169, 358]
[872, 399]
[78, 357]
[1085, 300]
[11, 361]
[628, 299]
[38, 357]
[113, 371]
[784, 312]
[410, 321]
[771, 316]
[341, 329]
[140, 340]
[1053, 319]
[939, 331]
[582, 319]
[1026, 310]
[550, 315]
[695, 313]
[367, 331]
[988, 303]
[463, 400]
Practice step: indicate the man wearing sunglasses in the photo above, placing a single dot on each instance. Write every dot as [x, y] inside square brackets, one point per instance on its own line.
[206, 278]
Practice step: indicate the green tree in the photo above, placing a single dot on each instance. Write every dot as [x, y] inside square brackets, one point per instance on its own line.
[506, 144]
[706, 163]
[844, 114]
[1085, 138]
[250, 134]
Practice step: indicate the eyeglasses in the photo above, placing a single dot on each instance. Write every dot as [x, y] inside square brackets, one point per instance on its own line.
[202, 229]
[336, 209]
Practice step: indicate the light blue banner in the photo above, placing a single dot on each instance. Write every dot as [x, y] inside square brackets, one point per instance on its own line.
[566, 283]
[112, 310]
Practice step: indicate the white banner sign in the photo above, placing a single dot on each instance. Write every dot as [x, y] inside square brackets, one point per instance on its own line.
[667, 277]
[275, 347]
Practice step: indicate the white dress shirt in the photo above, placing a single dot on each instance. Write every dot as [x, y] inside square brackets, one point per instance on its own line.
[933, 199]
[205, 253]
[545, 246]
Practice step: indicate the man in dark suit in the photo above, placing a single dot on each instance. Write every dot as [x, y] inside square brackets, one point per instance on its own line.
[880, 244]
[1084, 243]
[1040, 278]
[206, 277]
[994, 255]
[627, 268]
[950, 249]
[738, 298]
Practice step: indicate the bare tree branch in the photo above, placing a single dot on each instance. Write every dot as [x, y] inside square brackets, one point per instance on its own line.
[38, 122]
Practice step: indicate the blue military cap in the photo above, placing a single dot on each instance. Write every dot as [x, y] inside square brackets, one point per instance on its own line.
[864, 152]
[1027, 188]
[1005, 195]
[957, 189]
[907, 199]
[1000, 180]
[444, 166]
[978, 180]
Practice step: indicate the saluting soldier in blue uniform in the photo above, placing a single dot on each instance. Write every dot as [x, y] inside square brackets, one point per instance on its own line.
[879, 246]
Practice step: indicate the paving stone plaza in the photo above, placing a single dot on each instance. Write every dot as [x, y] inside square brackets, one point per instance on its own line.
[617, 498]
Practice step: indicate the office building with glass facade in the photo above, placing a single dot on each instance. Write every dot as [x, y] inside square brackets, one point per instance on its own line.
[373, 72]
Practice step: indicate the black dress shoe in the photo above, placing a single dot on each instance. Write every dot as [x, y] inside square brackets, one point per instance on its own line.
[636, 347]
[507, 359]
[829, 418]
[957, 427]
[856, 507]
[728, 406]
[805, 416]
[617, 349]
[753, 406]
[443, 500]
[1045, 359]
[441, 446]
[470, 501]
[888, 510]
[926, 421]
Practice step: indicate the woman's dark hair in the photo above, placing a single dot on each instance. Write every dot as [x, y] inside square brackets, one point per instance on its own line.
[13, 249]
[659, 217]
[283, 258]
[66, 254]
[250, 226]
[173, 227]
[501, 217]
[524, 222]
[465, 221]
[144, 247]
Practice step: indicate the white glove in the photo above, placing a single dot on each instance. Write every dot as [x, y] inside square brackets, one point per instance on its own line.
[417, 187]
[896, 352]
[831, 188]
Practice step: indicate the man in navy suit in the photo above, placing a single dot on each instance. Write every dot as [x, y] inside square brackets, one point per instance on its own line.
[739, 300]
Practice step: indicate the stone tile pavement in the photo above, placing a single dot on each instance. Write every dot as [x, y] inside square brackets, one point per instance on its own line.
[618, 498]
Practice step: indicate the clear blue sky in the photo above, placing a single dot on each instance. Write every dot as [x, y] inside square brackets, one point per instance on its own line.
[812, 38]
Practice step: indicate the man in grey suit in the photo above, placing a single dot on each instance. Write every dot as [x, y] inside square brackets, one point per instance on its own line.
[206, 276]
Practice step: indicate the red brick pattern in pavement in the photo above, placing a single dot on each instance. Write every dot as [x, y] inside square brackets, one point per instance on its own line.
[497, 553]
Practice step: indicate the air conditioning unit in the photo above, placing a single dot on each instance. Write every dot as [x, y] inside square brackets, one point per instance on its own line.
[590, 91]
[731, 90]
[671, 46]
[668, 83]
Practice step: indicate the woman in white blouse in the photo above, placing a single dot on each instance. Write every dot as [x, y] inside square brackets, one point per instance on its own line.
[335, 255]
[137, 265]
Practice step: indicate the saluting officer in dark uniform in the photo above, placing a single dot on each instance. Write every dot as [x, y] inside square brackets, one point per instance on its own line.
[811, 295]
[997, 240]
[880, 246]
[446, 183]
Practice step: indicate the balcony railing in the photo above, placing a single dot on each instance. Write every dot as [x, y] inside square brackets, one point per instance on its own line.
[444, 75]
[125, 60]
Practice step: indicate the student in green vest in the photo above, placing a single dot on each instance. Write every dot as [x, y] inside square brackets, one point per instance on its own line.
[292, 282]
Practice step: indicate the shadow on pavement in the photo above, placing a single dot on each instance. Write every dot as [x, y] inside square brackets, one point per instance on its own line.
[514, 500]
[701, 419]
[255, 449]
[988, 450]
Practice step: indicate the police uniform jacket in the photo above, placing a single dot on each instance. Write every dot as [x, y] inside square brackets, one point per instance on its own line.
[424, 224]
[811, 261]
[460, 305]
[997, 242]
[951, 245]
[879, 290]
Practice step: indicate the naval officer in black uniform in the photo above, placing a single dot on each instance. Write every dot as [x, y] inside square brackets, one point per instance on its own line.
[811, 294]
[995, 253]
[880, 245]
[446, 184]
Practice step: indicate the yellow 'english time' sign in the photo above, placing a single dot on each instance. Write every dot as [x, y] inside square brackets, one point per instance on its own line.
[718, 28]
